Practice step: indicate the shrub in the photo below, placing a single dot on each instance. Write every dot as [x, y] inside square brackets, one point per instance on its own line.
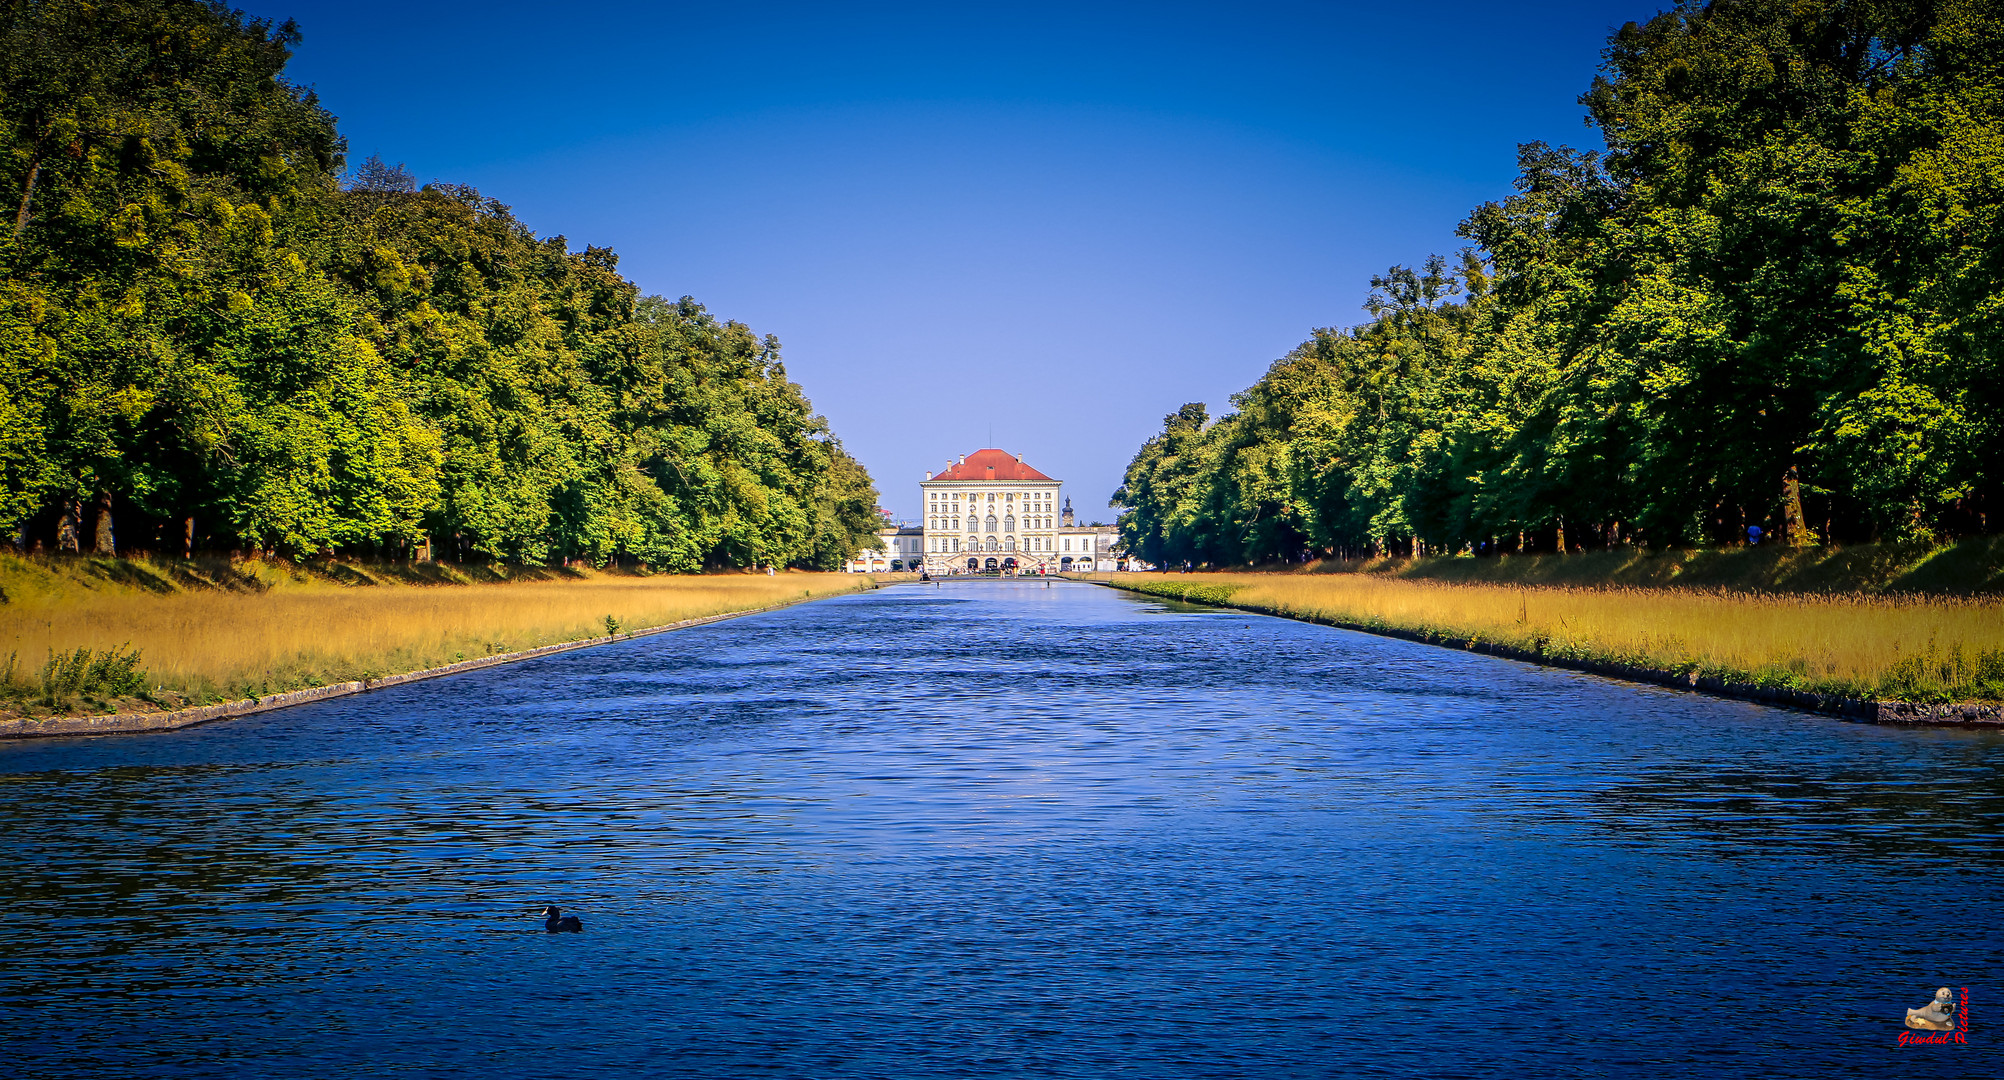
[111, 673]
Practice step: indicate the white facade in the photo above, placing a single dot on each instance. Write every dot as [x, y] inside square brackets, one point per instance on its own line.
[989, 512]
[1091, 548]
[903, 550]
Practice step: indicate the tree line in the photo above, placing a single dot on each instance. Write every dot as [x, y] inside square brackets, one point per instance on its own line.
[1773, 301]
[209, 341]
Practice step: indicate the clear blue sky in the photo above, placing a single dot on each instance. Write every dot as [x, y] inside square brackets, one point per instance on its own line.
[1053, 222]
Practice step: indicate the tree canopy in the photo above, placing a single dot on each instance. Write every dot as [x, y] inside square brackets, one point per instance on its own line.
[207, 340]
[1777, 299]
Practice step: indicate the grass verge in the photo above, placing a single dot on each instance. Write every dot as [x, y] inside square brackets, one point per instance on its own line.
[82, 636]
[1868, 648]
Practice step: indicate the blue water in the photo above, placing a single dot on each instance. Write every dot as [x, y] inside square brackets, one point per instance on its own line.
[996, 829]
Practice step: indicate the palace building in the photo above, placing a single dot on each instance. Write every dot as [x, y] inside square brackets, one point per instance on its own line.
[990, 512]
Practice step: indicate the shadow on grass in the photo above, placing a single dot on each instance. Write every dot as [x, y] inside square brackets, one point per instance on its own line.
[47, 575]
[1971, 567]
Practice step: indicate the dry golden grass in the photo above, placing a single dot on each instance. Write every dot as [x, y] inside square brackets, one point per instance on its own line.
[208, 644]
[1910, 648]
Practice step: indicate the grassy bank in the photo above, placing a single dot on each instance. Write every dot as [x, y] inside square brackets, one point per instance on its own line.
[1970, 567]
[98, 635]
[1904, 648]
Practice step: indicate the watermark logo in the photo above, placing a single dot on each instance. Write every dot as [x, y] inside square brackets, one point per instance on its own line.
[1940, 1022]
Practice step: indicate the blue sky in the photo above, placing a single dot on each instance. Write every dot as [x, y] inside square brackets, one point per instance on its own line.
[1055, 223]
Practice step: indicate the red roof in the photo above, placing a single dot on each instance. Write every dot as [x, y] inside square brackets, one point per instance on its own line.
[990, 464]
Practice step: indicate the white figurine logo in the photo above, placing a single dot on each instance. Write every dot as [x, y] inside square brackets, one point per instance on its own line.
[1936, 1015]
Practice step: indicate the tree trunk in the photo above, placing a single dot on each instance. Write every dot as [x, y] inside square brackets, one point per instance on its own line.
[188, 537]
[105, 543]
[69, 529]
[1559, 538]
[27, 194]
[1796, 528]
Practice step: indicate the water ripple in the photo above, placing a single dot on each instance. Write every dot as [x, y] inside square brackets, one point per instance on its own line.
[995, 829]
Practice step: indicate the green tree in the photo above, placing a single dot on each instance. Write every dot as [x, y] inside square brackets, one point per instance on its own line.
[205, 339]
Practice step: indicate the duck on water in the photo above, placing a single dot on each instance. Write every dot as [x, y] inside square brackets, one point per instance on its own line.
[569, 924]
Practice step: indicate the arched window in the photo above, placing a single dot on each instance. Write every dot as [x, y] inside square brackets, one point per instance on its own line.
[1009, 523]
[991, 523]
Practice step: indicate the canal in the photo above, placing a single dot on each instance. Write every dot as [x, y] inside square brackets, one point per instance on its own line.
[999, 829]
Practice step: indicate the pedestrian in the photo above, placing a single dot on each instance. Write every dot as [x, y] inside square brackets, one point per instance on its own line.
[1753, 536]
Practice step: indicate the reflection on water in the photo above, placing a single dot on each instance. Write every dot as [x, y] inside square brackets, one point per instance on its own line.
[997, 829]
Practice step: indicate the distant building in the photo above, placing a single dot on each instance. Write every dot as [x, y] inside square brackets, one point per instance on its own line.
[990, 512]
[903, 550]
[1090, 548]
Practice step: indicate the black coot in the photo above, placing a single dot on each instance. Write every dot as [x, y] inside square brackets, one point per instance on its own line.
[569, 924]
